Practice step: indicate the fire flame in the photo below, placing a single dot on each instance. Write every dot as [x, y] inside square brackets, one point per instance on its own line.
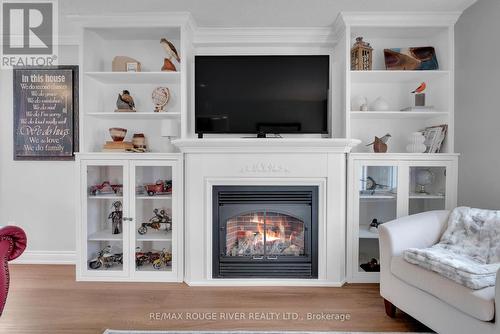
[272, 234]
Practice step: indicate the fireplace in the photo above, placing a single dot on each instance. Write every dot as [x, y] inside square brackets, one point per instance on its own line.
[265, 232]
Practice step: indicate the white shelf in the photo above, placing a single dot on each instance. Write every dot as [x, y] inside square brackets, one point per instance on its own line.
[113, 268]
[149, 268]
[154, 235]
[365, 233]
[147, 197]
[105, 235]
[105, 197]
[135, 77]
[136, 115]
[426, 196]
[377, 76]
[397, 114]
[376, 196]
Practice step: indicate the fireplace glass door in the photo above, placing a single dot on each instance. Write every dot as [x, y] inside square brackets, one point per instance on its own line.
[265, 234]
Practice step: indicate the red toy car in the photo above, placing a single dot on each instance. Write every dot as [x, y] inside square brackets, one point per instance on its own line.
[161, 187]
[106, 188]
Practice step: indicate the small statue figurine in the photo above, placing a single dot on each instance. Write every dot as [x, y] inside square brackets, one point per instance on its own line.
[420, 95]
[374, 225]
[116, 218]
[125, 102]
[171, 53]
[371, 185]
[380, 144]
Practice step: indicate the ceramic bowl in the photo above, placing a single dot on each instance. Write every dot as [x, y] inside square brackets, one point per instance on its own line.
[117, 134]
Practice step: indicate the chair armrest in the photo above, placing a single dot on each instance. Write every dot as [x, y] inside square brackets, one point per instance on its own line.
[416, 231]
[497, 299]
[18, 241]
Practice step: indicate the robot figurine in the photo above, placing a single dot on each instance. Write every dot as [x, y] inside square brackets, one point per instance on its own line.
[116, 218]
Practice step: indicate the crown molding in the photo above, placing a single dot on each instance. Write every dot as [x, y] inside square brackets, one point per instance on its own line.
[263, 36]
[395, 19]
[141, 19]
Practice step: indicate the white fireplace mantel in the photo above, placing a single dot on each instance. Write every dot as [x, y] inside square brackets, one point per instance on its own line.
[213, 162]
[264, 145]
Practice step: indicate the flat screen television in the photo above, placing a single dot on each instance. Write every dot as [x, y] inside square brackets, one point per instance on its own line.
[261, 94]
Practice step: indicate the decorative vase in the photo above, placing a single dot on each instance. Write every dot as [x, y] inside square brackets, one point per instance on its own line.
[380, 104]
[416, 144]
[139, 140]
[358, 102]
[117, 134]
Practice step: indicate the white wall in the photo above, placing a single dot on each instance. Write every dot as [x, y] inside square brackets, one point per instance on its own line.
[38, 196]
[477, 84]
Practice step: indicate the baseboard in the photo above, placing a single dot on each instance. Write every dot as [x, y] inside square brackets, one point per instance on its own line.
[46, 257]
[265, 282]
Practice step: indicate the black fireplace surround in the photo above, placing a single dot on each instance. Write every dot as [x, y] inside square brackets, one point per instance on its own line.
[265, 232]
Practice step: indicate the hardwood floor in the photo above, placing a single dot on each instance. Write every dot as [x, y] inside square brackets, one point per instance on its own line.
[46, 299]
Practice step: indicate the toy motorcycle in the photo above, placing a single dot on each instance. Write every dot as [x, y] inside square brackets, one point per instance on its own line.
[165, 259]
[142, 258]
[156, 259]
[161, 217]
[106, 258]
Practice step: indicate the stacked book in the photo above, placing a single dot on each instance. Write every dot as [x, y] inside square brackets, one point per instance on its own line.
[117, 146]
[434, 137]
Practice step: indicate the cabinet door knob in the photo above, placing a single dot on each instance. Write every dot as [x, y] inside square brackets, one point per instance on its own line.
[127, 219]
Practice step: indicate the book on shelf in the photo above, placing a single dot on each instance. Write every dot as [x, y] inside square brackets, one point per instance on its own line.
[117, 146]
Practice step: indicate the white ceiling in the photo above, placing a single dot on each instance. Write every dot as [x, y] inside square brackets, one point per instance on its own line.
[258, 13]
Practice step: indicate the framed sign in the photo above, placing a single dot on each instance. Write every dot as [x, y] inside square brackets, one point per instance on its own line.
[45, 113]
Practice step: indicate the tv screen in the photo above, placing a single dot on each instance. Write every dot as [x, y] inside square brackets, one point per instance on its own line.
[261, 94]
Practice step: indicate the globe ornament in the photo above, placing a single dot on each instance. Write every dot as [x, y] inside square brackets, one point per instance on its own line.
[160, 97]
[424, 178]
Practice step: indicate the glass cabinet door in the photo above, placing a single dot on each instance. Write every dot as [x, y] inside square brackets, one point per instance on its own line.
[106, 238]
[377, 204]
[427, 189]
[152, 221]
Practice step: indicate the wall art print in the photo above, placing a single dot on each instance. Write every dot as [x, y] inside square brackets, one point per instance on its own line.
[45, 113]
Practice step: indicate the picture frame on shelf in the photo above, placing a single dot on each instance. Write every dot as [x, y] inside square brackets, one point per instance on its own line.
[411, 59]
[434, 137]
[132, 67]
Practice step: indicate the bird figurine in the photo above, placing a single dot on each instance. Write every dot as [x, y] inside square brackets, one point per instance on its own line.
[371, 185]
[171, 53]
[420, 88]
[125, 102]
[380, 144]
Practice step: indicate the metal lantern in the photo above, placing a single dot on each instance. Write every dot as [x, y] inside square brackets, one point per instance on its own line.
[361, 55]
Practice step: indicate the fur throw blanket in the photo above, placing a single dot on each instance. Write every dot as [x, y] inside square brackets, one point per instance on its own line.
[469, 250]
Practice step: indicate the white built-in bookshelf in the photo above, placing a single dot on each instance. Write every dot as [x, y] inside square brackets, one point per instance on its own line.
[396, 169]
[138, 37]
[397, 30]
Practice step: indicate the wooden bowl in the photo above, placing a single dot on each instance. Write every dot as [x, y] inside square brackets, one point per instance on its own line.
[117, 134]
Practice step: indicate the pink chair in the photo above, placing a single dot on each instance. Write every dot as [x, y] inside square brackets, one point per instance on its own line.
[12, 245]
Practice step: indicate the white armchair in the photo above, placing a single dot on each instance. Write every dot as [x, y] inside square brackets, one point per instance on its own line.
[439, 303]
